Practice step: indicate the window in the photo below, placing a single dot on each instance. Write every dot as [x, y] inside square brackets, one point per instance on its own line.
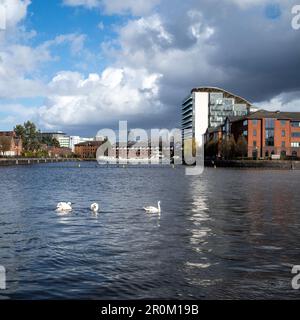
[270, 123]
[245, 133]
[254, 122]
[294, 154]
[295, 144]
[254, 143]
[283, 133]
[296, 134]
[283, 144]
[269, 132]
[283, 122]
[254, 133]
[295, 124]
[270, 137]
[245, 122]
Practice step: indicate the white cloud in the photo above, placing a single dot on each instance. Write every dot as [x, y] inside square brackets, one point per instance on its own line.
[17, 114]
[136, 7]
[76, 42]
[157, 58]
[76, 100]
[18, 65]
[101, 26]
[85, 3]
[289, 101]
[15, 12]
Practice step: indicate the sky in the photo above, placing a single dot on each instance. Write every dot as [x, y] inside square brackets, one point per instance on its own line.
[83, 65]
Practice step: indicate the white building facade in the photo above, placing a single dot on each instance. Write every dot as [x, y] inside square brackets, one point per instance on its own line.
[209, 107]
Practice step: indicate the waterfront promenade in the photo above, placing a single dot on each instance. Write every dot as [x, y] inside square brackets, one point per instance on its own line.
[254, 164]
[30, 161]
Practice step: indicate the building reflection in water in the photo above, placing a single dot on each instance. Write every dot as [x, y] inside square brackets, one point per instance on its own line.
[198, 263]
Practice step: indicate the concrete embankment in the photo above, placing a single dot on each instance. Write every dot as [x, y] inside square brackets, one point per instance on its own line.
[255, 164]
[27, 161]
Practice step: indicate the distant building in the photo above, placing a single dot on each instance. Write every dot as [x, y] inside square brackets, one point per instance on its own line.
[64, 141]
[14, 144]
[52, 134]
[59, 152]
[268, 133]
[61, 137]
[132, 150]
[87, 149]
[208, 107]
[77, 139]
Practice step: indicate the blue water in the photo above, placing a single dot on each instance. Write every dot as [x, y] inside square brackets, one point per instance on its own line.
[226, 234]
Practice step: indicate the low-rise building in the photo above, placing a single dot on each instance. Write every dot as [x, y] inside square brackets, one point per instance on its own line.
[10, 144]
[87, 149]
[267, 133]
[59, 152]
[77, 139]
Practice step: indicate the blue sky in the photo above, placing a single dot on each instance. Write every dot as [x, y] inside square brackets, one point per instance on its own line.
[81, 65]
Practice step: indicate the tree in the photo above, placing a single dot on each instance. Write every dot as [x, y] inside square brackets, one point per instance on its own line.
[20, 132]
[242, 147]
[5, 144]
[49, 141]
[211, 148]
[29, 135]
[228, 147]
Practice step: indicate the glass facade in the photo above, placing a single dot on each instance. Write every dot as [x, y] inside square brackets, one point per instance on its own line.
[220, 108]
[269, 132]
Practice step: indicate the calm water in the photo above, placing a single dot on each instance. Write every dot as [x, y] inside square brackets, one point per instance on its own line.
[225, 234]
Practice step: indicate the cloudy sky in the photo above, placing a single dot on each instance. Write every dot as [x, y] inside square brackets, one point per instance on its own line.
[81, 65]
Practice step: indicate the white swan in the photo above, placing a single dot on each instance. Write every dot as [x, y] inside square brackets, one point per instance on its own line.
[64, 207]
[153, 209]
[95, 207]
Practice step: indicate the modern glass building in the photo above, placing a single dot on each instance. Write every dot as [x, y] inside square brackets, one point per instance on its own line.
[208, 107]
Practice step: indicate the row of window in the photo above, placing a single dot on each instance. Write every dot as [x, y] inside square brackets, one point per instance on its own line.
[269, 131]
[296, 134]
[270, 123]
[295, 124]
[282, 132]
[283, 144]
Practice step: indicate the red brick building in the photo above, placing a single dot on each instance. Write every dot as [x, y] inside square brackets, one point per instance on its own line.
[131, 150]
[87, 149]
[267, 133]
[15, 144]
[59, 152]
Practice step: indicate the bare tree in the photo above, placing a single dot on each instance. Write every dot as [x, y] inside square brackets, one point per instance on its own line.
[5, 144]
[242, 147]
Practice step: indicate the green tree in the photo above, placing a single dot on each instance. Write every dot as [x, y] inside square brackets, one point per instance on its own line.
[20, 132]
[29, 135]
[241, 147]
[50, 142]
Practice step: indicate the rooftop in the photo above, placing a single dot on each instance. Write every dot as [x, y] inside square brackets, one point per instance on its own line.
[226, 93]
[262, 114]
[93, 143]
